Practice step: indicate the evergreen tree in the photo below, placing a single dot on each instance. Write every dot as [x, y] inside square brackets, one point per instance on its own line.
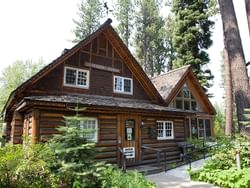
[90, 13]
[192, 36]
[236, 58]
[75, 155]
[124, 14]
[149, 37]
[170, 24]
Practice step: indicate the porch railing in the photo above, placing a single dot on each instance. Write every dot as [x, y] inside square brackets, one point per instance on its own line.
[158, 153]
[123, 159]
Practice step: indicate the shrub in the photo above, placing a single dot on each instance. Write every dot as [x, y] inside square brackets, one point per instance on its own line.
[26, 167]
[221, 168]
[113, 177]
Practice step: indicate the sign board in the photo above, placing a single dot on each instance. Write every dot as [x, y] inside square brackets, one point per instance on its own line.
[129, 152]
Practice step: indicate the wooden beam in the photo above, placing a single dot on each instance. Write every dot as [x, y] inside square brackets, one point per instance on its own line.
[35, 125]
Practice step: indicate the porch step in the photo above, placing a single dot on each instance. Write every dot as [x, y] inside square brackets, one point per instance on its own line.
[146, 169]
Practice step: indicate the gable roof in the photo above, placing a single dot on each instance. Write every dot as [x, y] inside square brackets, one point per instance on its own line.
[122, 50]
[166, 83]
[170, 83]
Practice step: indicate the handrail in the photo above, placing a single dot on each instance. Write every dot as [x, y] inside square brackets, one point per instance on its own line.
[123, 159]
[158, 153]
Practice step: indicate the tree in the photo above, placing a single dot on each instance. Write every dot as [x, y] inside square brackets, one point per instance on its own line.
[170, 24]
[124, 15]
[236, 58]
[247, 3]
[192, 36]
[229, 95]
[89, 12]
[149, 37]
[75, 154]
[15, 74]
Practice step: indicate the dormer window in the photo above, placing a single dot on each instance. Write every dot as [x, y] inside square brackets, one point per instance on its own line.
[74, 77]
[123, 85]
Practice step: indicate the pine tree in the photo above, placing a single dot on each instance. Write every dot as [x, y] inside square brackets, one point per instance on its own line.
[124, 14]
[75, 155]
[149, 37]
[192, 36]
[236, 58]
[89, 12]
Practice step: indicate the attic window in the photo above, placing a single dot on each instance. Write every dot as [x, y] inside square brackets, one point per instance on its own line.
[76, 77]
[122, 85]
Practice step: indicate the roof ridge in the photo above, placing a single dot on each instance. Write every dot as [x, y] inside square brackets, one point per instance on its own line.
[171, 71]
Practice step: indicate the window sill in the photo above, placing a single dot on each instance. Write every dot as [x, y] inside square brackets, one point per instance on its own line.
[168, 138]
[75, 86]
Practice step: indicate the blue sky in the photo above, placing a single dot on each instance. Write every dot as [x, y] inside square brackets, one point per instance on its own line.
[42, 28]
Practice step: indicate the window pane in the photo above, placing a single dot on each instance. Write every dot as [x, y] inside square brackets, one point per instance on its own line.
[91, 127]
[186, 92]
[208, 128]
[186, 105]
[178, 104]
[70, 77]
[82, 78]
[127, 85]
[118, 84]
[194, 105]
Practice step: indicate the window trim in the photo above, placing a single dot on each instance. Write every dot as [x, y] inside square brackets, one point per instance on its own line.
[123, 92]
[77, 70]
[164, 130]
[97, 127]
[204, 129]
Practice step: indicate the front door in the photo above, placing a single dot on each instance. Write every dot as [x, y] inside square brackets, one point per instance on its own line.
[130, 131]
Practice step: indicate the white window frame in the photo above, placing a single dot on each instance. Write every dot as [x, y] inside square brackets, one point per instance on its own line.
[122, 88]
[164, 137]
[77, 72]
[95, 139]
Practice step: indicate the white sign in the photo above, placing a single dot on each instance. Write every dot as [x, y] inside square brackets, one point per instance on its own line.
[129, 152]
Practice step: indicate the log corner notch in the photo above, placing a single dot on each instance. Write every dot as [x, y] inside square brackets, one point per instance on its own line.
[35, 126]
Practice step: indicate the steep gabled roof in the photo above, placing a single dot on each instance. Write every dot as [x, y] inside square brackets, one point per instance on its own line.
[122, 50]
[166, 83]
[170, 83]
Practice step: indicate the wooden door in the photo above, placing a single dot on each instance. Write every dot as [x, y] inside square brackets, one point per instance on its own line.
[130, 138]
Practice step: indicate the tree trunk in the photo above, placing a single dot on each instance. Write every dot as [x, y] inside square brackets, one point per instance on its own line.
[247, 3]
[236, 57]
[229, 95]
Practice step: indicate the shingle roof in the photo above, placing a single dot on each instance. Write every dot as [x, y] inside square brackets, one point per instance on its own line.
[96, 100]
[166, 83]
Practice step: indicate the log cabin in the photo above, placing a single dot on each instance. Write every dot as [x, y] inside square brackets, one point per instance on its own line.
[131, 114]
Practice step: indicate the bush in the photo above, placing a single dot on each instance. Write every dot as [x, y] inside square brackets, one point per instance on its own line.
[113, 177]
[221, 168]
[26, 167]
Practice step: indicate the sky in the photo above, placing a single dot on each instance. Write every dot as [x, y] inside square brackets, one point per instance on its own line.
[33, 29]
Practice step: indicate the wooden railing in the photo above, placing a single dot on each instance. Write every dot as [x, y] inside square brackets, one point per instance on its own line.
[123, 159]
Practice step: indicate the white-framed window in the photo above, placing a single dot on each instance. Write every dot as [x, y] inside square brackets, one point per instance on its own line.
[76, 77]
[165, 130]
[123, 85]
[91, 125]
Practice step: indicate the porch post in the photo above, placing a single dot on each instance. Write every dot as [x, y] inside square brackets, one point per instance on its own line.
[35, 125]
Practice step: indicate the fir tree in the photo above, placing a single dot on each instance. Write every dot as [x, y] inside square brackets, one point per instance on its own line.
[124, 15]
[90, 13]
[149, 37]
[75, 155]
[192, 36]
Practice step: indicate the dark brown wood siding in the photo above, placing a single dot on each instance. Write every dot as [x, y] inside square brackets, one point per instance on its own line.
[149, 139]
[106, 146]
[99, 52]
